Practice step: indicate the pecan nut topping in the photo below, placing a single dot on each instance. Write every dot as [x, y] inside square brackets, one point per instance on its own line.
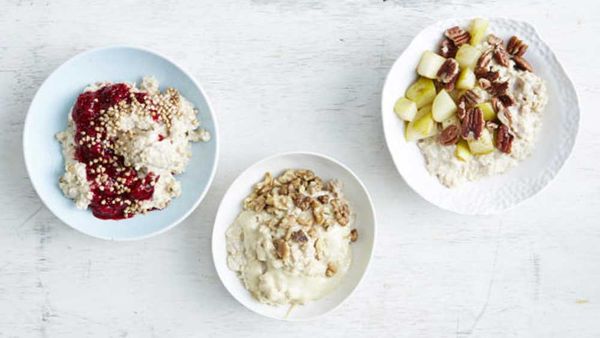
[473, 123]
[448, 49]
[458, 35]
[483, 62]
[504, 139]
[450, 135]
[494, 40]
[448, 71]
[516, 46]
[470, 98]
[521, 63]
[507, 100]
[484, 83]
[498, 88]
[461, 110]
[501, 56]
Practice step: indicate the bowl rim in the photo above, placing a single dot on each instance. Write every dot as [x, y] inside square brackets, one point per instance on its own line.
[211, 113]
[238, 180]
[560, 68]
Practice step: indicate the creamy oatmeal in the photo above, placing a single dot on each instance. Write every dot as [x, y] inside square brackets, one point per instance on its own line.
[124, 145]
[291, 242]
[477, 108]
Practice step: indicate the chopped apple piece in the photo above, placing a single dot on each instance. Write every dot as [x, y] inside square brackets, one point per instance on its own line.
[443, 106]
[467, 56]
[462, 151]
[430, 64]
[451, 121]
[483, 145]
[420, 128]
[422, 92]
[477, 29]
[488, 111]
[405, 109]
[466, 79]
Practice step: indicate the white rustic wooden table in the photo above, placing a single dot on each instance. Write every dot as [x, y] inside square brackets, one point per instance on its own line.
[299, 75]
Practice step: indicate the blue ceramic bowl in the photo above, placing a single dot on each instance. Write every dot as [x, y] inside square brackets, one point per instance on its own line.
[48, 115]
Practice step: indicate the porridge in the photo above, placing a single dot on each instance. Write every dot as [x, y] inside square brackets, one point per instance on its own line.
[477, 107]
[291, 242]
[124, 145]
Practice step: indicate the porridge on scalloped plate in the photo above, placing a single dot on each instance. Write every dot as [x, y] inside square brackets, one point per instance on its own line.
[477, 107]
[124, 145]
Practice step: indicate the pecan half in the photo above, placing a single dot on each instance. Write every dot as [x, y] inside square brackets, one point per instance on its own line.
[490, 75]
[484, 83]
[299, 236]
[449, 135]
[507, 100]
[501, 56]
[448, 71]
[458, 35]
[516, 46]
[494, 40]
[483, 62]
[448, 49]
[461, 110]
[473, 123]
[497, 104]
[504, 139]
[470, 98]
[521, 63]
[498, 88]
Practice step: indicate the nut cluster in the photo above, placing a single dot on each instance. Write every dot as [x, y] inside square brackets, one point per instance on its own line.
[300, 205]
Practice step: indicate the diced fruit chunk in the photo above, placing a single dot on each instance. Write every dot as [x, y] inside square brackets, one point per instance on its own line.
[422, 92]
[405, 109]
[467, 56]
[466, 79]
[462, 151]
[430, 64]
[443, 106]
[488, 111]
[420, 128]
[477, 29]
[452, 120]
[483, 145]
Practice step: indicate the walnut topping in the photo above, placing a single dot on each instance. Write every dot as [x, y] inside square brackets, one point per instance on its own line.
[353, 235]
[448, 71]
[341, 212]
[331, 270]
[448, 48]
[504, 139]
[470, 98]
[323, 199]
[516, 46]
[521, 63]
[473, 123]
[283, 250]
[449, 135]
[299, 236]
[494, 40]
[458, 35]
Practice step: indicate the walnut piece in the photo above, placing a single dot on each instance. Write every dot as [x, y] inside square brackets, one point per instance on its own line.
[331, 270]
[283, 250]
[299, 236]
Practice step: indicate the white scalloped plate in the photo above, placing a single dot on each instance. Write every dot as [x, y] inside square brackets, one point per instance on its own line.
[494, 194]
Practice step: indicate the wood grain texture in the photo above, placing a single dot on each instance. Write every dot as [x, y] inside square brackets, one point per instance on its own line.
[299, 75]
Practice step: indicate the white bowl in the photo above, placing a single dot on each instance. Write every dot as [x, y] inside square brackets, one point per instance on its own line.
[48, 115]
[490, 195]
[362, 249]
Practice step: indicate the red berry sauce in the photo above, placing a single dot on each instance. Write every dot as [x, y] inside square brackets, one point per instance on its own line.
[115, 186]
